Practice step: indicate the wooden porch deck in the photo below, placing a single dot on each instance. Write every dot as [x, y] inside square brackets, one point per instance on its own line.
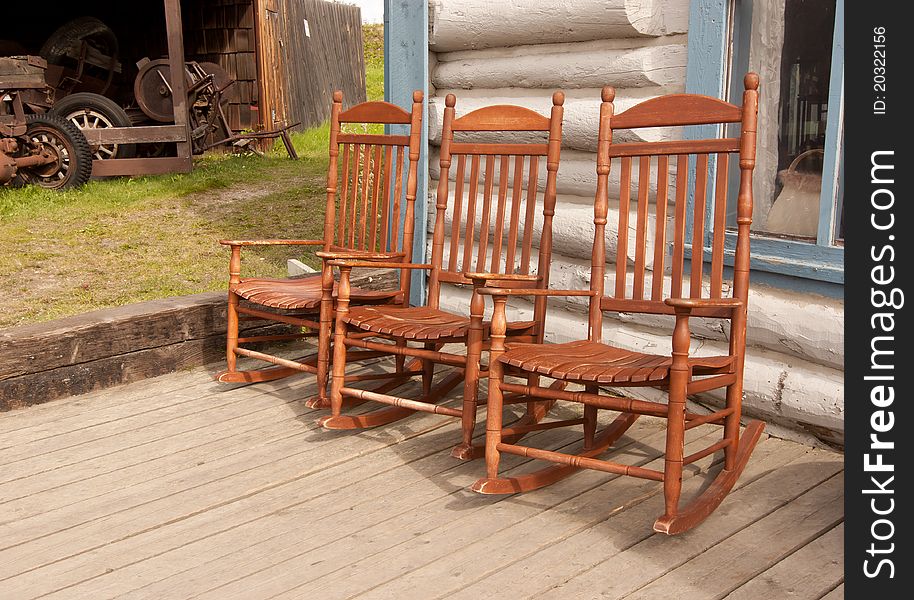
[179, 487]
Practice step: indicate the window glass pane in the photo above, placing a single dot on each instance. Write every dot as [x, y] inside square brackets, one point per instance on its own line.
[805, 65]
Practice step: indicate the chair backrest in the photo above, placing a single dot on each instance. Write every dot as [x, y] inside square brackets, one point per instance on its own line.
[490, 207]
[664, 166]
[367, 190]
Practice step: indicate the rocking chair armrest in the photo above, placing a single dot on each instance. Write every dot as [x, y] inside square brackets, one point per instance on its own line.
[349, 264]
[272, 242]
[480, 278]
[360, 255]
[686, 305]
[500, 300]
[486, 291]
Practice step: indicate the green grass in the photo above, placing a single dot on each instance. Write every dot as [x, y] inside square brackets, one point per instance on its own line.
[373, 40]
[124, 240]
[210, 172]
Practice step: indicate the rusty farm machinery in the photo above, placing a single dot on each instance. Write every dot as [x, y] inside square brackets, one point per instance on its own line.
[37, 148]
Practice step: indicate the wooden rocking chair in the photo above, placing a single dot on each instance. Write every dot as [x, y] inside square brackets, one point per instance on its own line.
[357, 224]
[592, 363]
[499, 252]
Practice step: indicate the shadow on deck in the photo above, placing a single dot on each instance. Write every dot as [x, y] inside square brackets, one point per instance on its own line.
[180, 487]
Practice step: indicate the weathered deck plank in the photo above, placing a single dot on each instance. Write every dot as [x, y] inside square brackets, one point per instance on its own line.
[182, 487]
[188, 414]
[749, 552]
[533, 522]
[335, 520]
[126, 512]
[429, 531]
[128, 466]
[660, 561]
[524, 576]
[807, 574]
[50, 414]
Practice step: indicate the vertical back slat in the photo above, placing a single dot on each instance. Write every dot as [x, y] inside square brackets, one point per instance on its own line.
[500, 213]
[398, 192]
[375, 200]
[644, 180]
[354, 196]
[366, 183]
[698, 225]
[486, 214]
[625, 192]
[720, 225]
[385, 204]
[471, 212]
[682, 179]
[341, 226]
[530, 215]
[458, 212]
[515, 213]
[663, 170]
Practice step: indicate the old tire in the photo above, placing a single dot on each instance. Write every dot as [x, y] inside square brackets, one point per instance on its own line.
[71, 34]
[73, 166]
[87, 110]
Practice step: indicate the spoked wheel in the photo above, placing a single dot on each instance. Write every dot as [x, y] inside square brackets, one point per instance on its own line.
[94, 111]
[72, 164]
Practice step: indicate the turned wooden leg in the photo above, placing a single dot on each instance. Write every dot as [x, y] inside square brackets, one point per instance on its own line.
[400, 360]
[231, 337]
[533, 380]
[231, 334]
[428, 371]
[339, 344]
[325, 334]
[675, 432]
[495, 406]
[731, 423]
[590, 419]
[471, 379]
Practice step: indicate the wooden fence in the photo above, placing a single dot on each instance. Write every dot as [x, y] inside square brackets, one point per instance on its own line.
[316, 48]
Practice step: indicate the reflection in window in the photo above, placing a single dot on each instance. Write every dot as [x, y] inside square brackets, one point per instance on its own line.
[805, 71]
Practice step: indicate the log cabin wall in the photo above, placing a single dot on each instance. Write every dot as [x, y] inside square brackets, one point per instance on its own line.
[519, 53]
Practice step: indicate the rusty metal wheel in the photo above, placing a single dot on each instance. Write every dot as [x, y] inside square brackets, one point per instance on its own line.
[72, 166]
[94, 111]
[152, 90]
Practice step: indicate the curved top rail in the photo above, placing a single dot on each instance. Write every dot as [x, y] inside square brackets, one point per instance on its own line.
[678, 109]
[501, 117]
[376, 112]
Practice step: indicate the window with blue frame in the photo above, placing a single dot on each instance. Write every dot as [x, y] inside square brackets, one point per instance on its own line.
[797, 46]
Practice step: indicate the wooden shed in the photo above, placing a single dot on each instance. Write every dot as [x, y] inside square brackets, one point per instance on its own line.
[286, 57]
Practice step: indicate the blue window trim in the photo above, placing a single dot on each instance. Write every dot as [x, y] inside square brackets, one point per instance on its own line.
[833, 165]
[712, 47]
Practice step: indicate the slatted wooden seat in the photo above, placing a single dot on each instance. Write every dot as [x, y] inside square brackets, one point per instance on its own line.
[596, 361]
[586, 361]
[357, 224]
[418, 323]
[489, 210]
[302, 293]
